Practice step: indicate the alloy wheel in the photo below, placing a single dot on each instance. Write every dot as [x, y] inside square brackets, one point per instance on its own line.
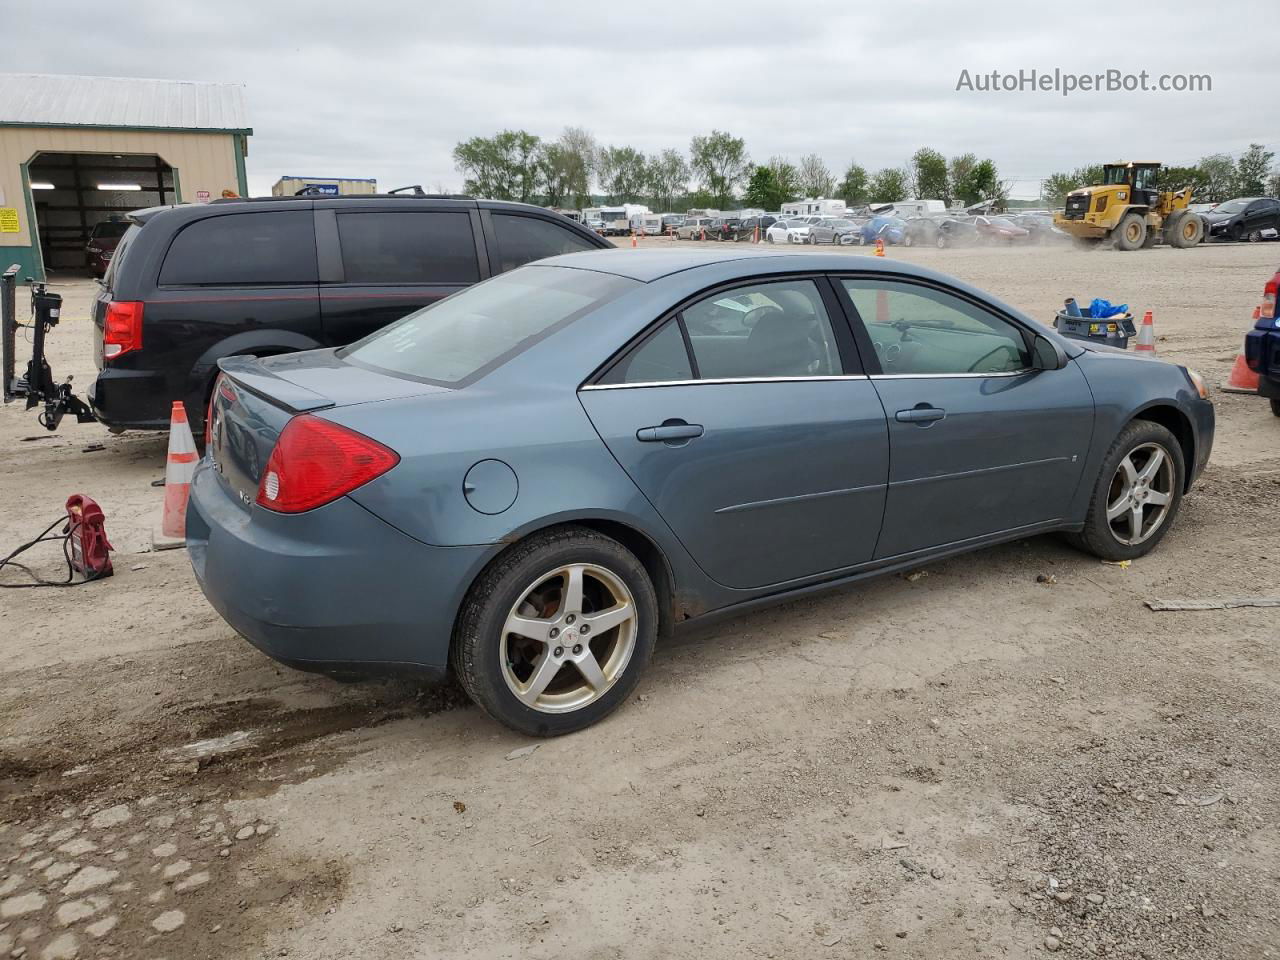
[568, 638]
[1140, 494]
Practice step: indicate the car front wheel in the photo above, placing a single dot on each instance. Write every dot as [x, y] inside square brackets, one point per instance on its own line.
[1137, 494]
[555, 634]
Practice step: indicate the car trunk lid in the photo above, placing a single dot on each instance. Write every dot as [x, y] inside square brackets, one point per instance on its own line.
[254, 399]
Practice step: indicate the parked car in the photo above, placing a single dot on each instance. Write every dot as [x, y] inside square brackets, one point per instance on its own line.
[1262, 345]
[777, 233]
[1040, 228]
[748, 227]
[889, 229]
[919, 231]
[798, 230]
[1245, 218]
[103, 240]
[1000, 230]
[595, 225]
[670, 221]
[837, 231]
[192, 284]
[693, 228]
[618, 446]
[724, 228]
[956, 232]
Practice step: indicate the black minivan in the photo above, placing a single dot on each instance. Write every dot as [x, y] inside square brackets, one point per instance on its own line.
[191, 284]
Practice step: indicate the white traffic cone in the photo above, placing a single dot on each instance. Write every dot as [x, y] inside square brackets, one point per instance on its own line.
[1146, 335]
[178, 471]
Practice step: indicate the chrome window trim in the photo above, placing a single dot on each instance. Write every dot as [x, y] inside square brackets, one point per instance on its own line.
[950, 376]
[712, 380]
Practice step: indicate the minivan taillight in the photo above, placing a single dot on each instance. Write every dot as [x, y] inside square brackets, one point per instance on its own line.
[1267, 311]
[315, 462]
[122, 330]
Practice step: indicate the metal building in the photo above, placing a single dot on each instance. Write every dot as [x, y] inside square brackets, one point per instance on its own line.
[323, 186]
[75, 151]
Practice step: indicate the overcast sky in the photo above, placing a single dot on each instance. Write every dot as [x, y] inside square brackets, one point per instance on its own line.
[385, 88]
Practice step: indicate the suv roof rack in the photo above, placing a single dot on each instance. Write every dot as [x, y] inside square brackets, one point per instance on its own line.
[353, 196]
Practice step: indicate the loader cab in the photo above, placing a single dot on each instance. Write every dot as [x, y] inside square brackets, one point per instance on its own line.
[1139, 177]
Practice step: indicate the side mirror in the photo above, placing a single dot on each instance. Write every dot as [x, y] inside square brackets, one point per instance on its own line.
[1047, 355]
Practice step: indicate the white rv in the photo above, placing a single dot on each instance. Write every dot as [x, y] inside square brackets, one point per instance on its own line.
[814, 206]
[914, 208]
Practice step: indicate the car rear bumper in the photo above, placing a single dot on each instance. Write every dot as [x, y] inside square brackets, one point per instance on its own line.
[332, 590]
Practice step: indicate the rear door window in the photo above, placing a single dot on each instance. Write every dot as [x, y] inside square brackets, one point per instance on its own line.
[410, 247]
[521, 240]
[269, 248]
[109, 279]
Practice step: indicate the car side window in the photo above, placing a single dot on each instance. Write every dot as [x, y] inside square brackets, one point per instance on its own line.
[244, 248]
[407, 247]
[521, 240]
[918, 330]
[776, 329]
[660, 357]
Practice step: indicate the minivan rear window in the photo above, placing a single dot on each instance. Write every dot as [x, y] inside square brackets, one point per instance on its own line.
[463, 337]
[263, 249]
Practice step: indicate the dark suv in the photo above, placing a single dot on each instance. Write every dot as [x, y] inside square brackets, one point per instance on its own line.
[192, 284]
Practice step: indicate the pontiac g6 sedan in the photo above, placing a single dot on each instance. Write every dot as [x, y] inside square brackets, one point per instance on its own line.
[531, 481]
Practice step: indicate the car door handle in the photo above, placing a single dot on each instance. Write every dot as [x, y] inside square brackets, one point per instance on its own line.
[920, 415]
[672, 430]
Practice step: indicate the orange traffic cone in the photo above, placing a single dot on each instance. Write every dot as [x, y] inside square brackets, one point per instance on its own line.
[633, 239]
[177, 481]
[756, 237]
[879, 246]
[704, 233]
[1146, 335]
[672, 231]
[1242, 379]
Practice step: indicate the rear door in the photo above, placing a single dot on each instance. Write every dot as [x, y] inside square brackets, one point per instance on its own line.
[746, 420]
[380, 261]
[980, 442]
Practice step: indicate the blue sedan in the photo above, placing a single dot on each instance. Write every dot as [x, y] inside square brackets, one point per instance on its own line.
[531, 481]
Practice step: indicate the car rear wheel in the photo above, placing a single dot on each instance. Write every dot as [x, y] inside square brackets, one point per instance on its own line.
[556, 633]
[1275, 408]
[1137, 494]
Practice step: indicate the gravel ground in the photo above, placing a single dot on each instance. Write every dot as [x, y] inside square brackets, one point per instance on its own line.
[962, 762]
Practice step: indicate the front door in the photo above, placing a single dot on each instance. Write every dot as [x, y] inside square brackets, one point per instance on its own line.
[980, 443]
[748, 425]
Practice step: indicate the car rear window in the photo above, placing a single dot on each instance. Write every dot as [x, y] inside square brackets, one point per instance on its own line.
[406, 247]
[524, 239]
[463, 337]
[122, 248]
[270, 248]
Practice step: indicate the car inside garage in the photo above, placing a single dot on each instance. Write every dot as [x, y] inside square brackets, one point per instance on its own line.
[83, 196]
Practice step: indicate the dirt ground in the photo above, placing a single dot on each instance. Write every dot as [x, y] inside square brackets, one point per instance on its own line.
[960, 763]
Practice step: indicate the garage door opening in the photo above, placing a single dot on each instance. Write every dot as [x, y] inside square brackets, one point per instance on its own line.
[81, 197]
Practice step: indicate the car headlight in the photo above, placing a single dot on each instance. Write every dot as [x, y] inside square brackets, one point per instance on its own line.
[1197, 381]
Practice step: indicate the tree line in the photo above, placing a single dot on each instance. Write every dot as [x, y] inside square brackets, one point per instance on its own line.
[716, 173]
[1215, 178]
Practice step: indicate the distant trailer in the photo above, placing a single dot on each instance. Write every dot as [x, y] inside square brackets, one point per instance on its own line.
[322, 187]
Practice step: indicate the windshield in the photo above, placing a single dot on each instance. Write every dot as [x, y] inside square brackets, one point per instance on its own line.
[1116, 175]
[839, 223]
[471, 333]
[1231, 206]
[110, 229]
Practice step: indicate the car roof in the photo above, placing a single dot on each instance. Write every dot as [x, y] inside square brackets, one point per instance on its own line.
[647, 266]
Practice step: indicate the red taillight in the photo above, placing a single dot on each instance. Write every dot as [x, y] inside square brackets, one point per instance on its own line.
[1267, 311]
[315, 461]
[122, 330]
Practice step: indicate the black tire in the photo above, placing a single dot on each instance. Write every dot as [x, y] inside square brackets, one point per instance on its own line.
[1130, 233]
[477, 643]
[1097, 537]
[1184, 230]
[1275, 408]
[1255, 236]
[1237, 232]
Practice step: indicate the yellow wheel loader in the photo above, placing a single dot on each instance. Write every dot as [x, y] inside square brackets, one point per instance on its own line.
[1128, 209]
